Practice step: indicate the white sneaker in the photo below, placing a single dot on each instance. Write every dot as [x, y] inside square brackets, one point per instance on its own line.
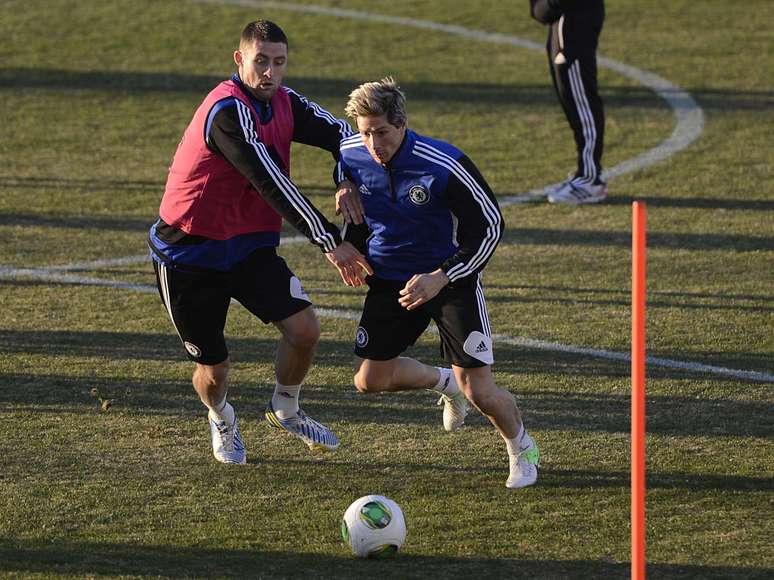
[316, 435]
[556, 187]
[577, 194]
[227, 446]
[524, 466]
[455, 409]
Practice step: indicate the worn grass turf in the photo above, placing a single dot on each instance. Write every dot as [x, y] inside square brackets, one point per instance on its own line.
[95, 96]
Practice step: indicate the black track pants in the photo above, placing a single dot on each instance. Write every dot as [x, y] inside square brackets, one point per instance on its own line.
[572, 57]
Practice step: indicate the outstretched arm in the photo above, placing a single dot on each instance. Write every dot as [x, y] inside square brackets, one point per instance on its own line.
[350, 263]
[231, 133]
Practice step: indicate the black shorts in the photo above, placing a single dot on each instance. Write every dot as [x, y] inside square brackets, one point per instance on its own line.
[197, 301]
[459, 311]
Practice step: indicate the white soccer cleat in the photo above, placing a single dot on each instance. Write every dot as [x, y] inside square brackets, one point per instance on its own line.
[570, 193]
[455, 409]
[316, 435]
[524, 466]
[227, 445]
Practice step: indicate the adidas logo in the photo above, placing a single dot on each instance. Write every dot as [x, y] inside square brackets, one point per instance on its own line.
[482, 347]
[364, 190]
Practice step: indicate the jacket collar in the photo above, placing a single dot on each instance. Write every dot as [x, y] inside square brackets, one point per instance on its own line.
[404, 150]
[263, 108]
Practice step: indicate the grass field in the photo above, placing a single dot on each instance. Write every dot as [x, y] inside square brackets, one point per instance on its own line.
[95, 96]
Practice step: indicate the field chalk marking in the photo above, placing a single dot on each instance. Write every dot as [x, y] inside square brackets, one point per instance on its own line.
[58, 276]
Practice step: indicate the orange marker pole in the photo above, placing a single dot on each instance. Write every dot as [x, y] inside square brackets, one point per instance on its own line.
[638, 389]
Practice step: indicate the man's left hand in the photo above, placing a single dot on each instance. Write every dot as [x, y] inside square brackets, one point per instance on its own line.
[351, 264]
[422, 288]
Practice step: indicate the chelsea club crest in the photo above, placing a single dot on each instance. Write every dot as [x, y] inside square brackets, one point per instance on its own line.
[361, 337]
[419, 195]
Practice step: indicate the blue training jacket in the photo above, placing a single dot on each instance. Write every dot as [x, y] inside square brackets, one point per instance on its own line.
[428, 207]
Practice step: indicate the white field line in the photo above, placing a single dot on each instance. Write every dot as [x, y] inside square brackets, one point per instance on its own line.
[50, 275]
[129, 260]
[689, 117]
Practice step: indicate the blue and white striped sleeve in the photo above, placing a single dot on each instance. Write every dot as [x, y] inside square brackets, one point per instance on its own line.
[470, 199]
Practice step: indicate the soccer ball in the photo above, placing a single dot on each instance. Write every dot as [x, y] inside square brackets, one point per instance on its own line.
[373, 526]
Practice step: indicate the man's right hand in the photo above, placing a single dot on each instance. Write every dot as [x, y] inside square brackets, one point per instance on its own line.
[351, 264]
[348, 203]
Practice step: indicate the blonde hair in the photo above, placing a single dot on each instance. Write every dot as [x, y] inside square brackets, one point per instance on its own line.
[375, 99]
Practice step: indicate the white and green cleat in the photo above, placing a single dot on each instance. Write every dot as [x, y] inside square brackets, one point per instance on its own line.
[524, 466]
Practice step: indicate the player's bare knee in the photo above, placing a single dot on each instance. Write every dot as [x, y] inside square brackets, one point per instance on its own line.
[370, 382]
[215, 375]
[305, 337]
[360, 384]
[488, 399]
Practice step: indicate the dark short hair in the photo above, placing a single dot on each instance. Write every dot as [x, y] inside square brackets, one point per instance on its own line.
[262, 31]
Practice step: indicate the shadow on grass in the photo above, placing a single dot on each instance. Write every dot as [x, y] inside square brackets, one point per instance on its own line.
[622, 239]
[550, 477]
[313, 87]
[617, 197]
[102, 184]
[333, 353]
[585, 368]
[310, 190]
[586, 479]
[557, 410]
[111, 345]
[695, 202]
[87, 559]
[625, 292]
[317, 88]
[128, 346]
[77, 222]
[562, 411]
[521, 236]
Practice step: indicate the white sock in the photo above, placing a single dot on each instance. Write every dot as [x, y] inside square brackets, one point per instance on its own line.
[285, 400]
[223, 411]
[447, 383]
[514, 445]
